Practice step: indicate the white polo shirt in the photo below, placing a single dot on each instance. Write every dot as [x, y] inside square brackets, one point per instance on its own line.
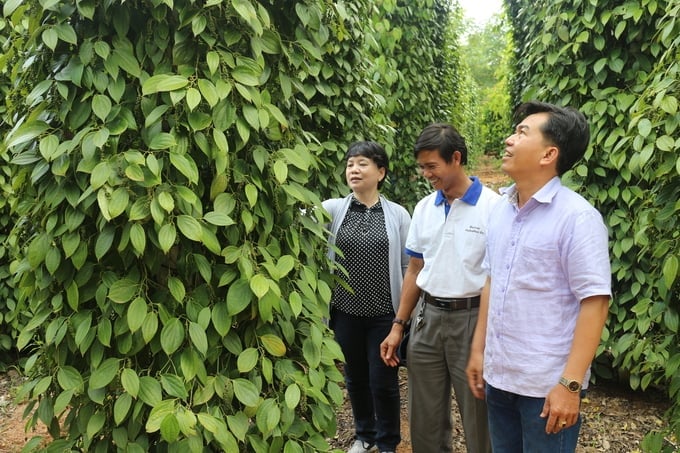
[452, 241]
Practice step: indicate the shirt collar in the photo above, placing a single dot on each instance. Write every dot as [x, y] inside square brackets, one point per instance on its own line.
[471, 195]
[544, 195]
[355, 203]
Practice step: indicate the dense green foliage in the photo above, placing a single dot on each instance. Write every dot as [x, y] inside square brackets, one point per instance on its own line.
[619, 62]
[465, 105]
[162, 165]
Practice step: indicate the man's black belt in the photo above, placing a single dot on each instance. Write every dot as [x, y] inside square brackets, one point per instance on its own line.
[451, 304]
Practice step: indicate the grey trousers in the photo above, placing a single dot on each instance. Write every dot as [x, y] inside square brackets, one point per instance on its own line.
[438, 351]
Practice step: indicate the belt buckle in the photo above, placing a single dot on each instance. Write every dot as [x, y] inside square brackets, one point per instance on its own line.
[443, 304]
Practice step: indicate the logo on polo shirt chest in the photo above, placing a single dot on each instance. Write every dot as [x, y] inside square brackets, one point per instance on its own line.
[474, 229]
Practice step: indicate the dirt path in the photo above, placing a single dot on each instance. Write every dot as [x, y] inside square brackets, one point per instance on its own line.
[13, 435]
[488, 170]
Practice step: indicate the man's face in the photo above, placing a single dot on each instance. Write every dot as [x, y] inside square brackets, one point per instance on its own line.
[526, 147]
[436, 170]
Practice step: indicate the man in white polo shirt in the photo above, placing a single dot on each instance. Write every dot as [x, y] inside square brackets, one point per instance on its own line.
[446, 245]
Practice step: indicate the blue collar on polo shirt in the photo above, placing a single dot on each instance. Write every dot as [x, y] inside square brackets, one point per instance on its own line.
[471, 195]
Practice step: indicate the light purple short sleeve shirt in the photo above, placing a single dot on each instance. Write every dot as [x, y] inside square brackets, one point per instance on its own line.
[543, 260]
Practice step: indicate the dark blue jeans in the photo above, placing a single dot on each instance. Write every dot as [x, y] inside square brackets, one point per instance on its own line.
[516, 427]
[372, 386]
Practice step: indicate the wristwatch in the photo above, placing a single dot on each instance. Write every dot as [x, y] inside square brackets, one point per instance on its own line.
[399, 321]
[571, 385]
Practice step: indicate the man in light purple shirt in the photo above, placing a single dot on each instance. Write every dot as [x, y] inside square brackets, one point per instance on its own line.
[547, 293]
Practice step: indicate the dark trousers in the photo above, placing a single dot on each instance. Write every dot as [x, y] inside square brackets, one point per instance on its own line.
[372, 386]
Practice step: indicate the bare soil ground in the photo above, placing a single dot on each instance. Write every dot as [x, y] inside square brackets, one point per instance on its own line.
[13, 435]
[487, 169]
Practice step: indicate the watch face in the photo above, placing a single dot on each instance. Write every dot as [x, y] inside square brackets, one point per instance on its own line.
[572, 386]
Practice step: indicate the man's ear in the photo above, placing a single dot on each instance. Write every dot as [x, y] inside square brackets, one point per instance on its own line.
[550, 155]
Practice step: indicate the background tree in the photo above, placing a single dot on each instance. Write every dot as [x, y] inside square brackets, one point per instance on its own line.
[463, 94]
[487, 51]
[618, 63]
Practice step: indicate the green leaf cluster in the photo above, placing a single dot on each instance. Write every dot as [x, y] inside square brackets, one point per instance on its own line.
[9, 322]
[619, 62]
[163, 166]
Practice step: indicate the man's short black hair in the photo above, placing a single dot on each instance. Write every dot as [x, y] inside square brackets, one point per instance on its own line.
[443, 138]
[566, 128]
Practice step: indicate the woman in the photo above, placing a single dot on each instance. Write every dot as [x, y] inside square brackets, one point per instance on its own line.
[371, 233]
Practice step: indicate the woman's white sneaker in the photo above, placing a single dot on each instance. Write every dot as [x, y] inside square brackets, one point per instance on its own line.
[360, 446]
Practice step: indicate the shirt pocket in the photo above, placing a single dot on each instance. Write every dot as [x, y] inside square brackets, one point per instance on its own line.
[538, 269]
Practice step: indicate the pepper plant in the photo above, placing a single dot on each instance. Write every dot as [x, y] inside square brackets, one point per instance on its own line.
[169, 254]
